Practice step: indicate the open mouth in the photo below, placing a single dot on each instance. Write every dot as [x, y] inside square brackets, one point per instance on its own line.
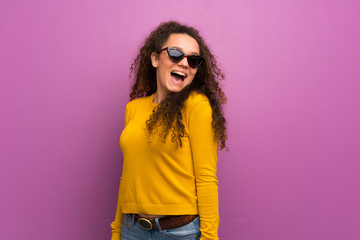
[179, 76]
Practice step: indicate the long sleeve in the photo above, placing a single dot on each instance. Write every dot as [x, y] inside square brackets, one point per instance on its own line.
[204, 151]
[117, 223]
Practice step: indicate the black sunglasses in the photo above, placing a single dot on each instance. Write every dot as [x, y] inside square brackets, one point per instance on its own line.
[176, 56]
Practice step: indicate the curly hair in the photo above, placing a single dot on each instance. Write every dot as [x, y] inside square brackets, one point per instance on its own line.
[167, 114]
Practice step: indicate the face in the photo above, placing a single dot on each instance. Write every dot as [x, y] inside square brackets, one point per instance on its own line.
[171, 76]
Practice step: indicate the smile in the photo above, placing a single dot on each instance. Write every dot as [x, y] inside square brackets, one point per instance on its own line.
[178, 75]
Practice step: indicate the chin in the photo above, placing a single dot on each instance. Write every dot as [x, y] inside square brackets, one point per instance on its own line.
[174, 89]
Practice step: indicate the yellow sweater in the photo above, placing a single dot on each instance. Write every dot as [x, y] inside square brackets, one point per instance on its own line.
[164, 179]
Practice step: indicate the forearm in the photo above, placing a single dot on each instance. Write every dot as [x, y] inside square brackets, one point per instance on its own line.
[208, 208]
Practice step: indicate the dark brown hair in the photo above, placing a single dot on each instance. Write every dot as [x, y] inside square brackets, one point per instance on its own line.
[206, 81]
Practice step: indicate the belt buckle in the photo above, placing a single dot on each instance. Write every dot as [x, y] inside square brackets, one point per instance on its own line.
[145, 223]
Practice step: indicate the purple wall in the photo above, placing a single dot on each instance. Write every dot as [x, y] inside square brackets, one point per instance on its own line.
[293, 75]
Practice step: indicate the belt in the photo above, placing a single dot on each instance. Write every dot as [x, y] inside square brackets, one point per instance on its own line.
[167, 222]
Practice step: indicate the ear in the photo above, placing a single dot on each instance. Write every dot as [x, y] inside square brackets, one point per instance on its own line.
[155, 59]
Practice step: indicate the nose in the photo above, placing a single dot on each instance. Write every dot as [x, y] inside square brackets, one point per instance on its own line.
[184, 62]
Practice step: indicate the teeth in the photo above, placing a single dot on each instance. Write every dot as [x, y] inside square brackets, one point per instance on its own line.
[180, 73]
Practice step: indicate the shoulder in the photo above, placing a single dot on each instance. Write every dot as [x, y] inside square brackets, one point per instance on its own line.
[197, 102]
[138, 103]
[196, 99]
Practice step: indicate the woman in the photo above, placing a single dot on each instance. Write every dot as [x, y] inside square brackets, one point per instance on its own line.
[173, 126]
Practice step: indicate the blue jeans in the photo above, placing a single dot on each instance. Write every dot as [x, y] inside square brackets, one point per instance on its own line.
[131, 230]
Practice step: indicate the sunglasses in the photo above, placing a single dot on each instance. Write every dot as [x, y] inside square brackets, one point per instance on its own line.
[176, 56]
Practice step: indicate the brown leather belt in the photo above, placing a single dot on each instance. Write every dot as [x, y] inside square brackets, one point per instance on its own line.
[167, 222]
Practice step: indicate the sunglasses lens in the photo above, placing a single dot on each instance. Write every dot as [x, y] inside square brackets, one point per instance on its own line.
[176, 55]
[194, 61]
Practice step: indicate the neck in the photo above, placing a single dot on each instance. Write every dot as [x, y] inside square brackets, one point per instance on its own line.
[158, 97]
